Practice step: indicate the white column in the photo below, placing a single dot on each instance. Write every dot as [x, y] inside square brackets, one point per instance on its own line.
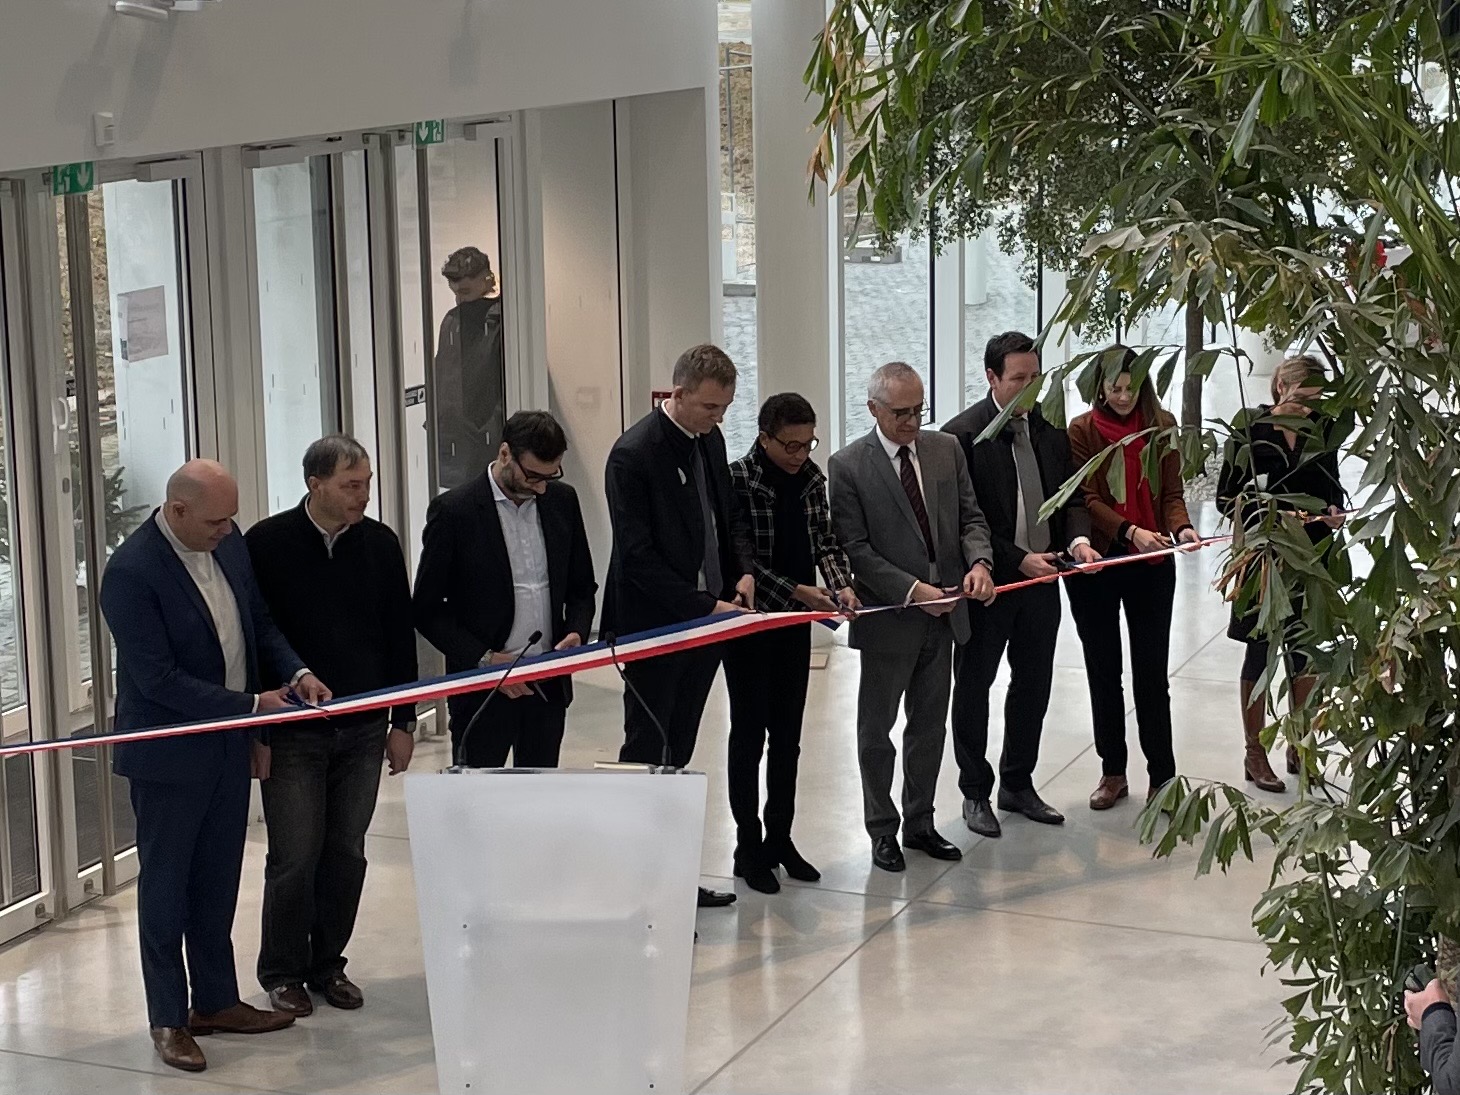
[793, 241]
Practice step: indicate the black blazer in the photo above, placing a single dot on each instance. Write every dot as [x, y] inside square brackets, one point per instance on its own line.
[463, 599]
[996, 481]
[659, 532]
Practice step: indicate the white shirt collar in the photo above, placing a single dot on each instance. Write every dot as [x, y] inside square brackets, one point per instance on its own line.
[665, 408]
[891, 447]
[177, 545]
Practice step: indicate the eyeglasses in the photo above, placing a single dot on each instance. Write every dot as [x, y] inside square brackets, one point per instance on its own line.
[536, 476]
[794, 448]
[902, 414]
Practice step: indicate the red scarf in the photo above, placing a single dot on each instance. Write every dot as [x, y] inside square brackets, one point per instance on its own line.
[1139, 507]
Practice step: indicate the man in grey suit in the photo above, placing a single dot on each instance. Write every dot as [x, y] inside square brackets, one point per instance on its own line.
[903, 505]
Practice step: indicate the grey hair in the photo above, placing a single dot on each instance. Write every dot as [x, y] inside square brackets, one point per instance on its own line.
[883, 377]
[329, 454]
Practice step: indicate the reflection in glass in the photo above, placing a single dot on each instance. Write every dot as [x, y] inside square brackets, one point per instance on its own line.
[296, 317]
[995, 299]
[885, 302]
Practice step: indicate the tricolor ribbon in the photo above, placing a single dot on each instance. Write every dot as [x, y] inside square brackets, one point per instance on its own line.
[556, 663]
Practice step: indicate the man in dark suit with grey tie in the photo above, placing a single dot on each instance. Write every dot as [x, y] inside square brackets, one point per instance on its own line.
[1013, 474]
[905, 510]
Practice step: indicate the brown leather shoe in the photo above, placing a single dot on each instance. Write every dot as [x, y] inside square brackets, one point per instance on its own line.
[339, 991]
[291, 1000]
[241, 1018]
[177, 1049]
[1108, 792]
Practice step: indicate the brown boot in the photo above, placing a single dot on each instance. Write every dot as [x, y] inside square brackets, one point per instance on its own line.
[1294, 764]
[1257, 767]
[1110, 790]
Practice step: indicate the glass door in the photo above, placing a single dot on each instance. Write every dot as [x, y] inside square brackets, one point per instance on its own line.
[25, 789]
[115, 354]
[459, 303]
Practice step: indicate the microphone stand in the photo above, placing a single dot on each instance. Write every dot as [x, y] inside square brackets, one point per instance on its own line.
[532, 641]
[665, 760]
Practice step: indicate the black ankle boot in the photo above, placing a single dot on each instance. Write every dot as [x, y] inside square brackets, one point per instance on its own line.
[782, 851]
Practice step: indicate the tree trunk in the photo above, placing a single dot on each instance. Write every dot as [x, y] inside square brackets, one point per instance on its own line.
[1195, 343]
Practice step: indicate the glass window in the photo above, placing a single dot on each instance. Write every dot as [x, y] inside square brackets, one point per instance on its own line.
[737, 222]
[995, 299]
[361, 366]
[296, 318]
[885, 308]
[413, 366]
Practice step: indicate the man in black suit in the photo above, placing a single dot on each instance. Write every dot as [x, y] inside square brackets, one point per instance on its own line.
[681, 550]
[1013, 474]
[194, 641]
[502, 557]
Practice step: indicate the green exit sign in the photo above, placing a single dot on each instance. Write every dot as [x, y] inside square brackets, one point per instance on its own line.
[433, 132]
[73, 178]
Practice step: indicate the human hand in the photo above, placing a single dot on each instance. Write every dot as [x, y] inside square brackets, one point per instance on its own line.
[1189, 537]
[400, 745]
[570, 640]
[978, 583]
[721, 607]
[1417, 1003]
[745, 592]
[1038, 565]
[816, 598]
[1084, 554]
[275, 700]
[1334, 519]
[512, 689]
[259, 758]
[313, 690]
[1144, 540]
[850, 601]
[925, 592]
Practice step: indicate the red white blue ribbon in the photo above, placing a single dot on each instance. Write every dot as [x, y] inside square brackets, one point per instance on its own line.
[556, 663]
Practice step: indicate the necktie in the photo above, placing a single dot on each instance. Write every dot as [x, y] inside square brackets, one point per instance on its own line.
[909, 478]
[1035, 532]
[714, 582]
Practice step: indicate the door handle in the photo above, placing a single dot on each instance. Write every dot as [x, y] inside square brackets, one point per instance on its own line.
[61, 425]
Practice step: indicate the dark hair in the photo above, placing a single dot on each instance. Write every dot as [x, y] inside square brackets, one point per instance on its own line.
[331, 454]
[536, 432]
[466, 262]
[785, 409]
[1146, 401]
[704, 362]
[1001, 346]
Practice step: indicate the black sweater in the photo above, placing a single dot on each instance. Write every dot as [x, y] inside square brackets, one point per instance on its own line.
[346, 612]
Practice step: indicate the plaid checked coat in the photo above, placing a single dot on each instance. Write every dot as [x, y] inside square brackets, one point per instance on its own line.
[773, 592]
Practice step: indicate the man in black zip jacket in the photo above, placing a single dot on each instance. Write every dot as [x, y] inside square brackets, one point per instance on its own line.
[336, 584]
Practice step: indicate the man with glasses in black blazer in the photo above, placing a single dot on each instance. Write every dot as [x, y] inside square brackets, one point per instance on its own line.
[503, 557]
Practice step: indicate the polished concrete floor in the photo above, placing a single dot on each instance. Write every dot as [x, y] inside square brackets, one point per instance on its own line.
[1052, 960]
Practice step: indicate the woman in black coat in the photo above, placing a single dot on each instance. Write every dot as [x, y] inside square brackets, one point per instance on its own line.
[1280, 461]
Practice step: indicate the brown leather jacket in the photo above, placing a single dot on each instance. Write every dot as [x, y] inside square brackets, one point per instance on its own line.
[1107, 526]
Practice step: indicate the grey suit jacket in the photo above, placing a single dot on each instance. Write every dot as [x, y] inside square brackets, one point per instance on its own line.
[874, 520]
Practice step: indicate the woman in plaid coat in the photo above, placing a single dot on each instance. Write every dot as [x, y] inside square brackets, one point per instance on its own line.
[784, 492]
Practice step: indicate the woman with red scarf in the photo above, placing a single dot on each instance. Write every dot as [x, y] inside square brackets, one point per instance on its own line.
[1153, 516]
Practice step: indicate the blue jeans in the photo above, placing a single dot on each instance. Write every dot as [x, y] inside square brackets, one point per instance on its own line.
[318, 802]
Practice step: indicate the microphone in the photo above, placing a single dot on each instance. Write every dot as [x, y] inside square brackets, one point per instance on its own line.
[664, 757]
[532, 641]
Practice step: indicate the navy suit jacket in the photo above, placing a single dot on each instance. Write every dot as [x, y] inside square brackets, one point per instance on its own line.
[169, 662]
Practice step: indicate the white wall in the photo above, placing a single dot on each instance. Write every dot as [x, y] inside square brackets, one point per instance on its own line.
[570, 150]
[669, 235]
[246, 71]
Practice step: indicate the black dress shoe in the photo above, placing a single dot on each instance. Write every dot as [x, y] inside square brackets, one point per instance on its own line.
[339, 991]
[761, 879]
[887, 855]
[979, 816]
[785, 853]
[291, 1000]
[1031, 806]
[930, 843]
[714, 899]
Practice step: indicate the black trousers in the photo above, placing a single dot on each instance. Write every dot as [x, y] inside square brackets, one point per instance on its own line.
[318, 802]
[675, 687]
[766, 675]
[1146, 592]
[189, 856]
[530, 728]
[1026, 623]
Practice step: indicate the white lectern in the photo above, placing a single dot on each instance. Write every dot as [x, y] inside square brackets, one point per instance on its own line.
[557, 920]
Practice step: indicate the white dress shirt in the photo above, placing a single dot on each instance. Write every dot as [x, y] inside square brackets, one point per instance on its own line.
[527, 553]
[714, 524]
[222, 605]
[329, 537]
[1021, 523]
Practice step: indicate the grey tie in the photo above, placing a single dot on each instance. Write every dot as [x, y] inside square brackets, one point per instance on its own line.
[1036, 531]
[714, 581]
